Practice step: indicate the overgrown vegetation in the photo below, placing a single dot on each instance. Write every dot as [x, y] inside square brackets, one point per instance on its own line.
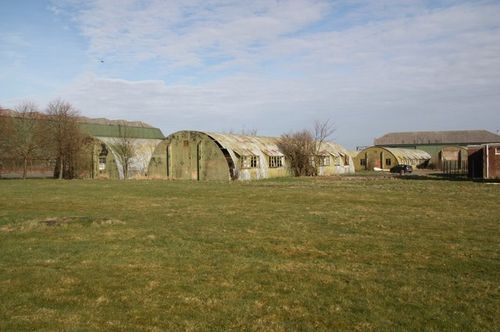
[282, 254]
[303, 149]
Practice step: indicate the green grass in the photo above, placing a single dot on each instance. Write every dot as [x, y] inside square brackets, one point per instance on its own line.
[286, 254]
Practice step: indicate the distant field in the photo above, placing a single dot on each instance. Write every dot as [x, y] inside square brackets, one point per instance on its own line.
[287, 254]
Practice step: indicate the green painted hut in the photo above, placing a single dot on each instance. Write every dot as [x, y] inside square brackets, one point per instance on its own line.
[108, 135]
[196, 155]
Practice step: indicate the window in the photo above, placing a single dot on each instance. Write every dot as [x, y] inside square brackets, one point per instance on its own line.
[388, 162]
[275, 161]
[249, 161]
[254, 161]
[362, 162]
[497, 150]
[324, 160]
[102, 158]
[102, 163]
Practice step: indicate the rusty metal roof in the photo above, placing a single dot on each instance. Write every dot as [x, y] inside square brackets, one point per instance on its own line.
[254, 145]
[334, 149]
[248, 145]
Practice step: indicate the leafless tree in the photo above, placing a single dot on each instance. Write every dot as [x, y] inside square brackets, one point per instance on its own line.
[124, 149]
[249, 132]
[322, 131]
[6, 129]
[243, 131]
[303, 149]
[65, 137]
[22, 136]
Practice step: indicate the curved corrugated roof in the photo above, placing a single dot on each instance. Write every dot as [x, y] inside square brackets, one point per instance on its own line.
[247, 145]
[254, 145]
[334, 149]
[113, 130]
[414, 154]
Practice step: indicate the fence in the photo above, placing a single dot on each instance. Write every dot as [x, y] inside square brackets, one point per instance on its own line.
[458, 167]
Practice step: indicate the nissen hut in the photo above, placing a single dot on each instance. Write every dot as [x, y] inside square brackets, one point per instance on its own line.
[195, 155]
[386, 158]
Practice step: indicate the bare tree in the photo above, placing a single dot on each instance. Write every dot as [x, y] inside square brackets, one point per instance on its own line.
[66, 139]
[243, 131]
[322, 131]
[22, 136]
[5, 136]
[249, 132]
[303, 149]
[124, 149]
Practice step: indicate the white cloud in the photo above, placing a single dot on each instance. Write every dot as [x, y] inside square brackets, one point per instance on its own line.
[379, 66]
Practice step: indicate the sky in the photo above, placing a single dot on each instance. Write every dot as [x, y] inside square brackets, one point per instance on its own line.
[370, 67]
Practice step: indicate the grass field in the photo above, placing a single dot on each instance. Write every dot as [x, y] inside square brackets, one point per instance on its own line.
[288, 254]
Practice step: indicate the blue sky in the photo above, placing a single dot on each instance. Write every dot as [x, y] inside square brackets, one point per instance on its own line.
[275, 66]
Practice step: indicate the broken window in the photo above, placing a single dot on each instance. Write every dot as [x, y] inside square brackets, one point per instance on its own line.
[346, 160]
[497, 151]
[324, 160]
[275, 161]
[249, 161]
[388, 162]
[362, 162]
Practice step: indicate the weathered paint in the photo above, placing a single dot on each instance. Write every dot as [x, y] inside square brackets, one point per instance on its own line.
[386, 158]
[197, 155]
[108, 169]
[189, 155]
[112, 168]
[143, 151]
[452, 153]
[340, 161]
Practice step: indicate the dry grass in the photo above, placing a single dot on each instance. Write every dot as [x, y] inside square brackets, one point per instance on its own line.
[288, 254]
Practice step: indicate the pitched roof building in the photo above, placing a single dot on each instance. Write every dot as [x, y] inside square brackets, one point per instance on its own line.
[456, 137]
[435, 142]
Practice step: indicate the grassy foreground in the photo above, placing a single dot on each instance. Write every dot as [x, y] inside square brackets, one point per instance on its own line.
[289, 254]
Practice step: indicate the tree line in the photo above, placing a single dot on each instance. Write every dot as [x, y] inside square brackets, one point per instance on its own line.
[53, 138]
[49, 137]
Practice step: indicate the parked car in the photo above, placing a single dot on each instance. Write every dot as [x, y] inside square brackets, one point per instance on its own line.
[402, 169]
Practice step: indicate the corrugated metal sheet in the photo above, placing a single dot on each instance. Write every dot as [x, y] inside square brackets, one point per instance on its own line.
[405, 154]
[113, 130]
[334, 149]
[255, 145]
[248, 145]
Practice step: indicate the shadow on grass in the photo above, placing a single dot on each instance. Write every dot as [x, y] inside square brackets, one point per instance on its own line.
[444, 177]
[435, 176]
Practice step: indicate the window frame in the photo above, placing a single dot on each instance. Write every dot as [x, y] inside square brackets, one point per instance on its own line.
[325, 160]
[251, 161]
[275, 161]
